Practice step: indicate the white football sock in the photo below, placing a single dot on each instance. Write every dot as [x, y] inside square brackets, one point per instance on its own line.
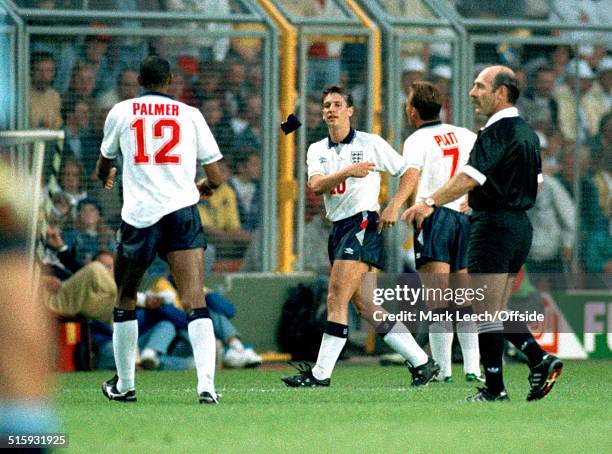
[202, 338]
[331, 347]
[125, 347]
[468, 339]
[404, 344]
[440, 343]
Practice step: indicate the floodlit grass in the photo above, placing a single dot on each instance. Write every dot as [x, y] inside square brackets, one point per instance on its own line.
[368, 408]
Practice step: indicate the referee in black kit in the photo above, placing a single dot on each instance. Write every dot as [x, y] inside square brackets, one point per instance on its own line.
[502, 178]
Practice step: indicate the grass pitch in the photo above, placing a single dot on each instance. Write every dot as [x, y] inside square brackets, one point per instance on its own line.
[367, 409]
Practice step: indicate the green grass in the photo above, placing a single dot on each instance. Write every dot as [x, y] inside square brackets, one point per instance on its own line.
[367, 409]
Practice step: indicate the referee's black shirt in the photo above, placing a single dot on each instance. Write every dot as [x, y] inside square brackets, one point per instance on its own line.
[507, 154]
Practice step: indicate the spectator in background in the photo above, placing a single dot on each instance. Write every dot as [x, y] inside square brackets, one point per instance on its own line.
[550, 148]
[71, 181]
[44, 100]
[179, 88]
[413, 69]
[236, 355]
[236, 89]
[554, 229]
[90, 291]
[441, 78]
[559, 58]
[599, 98]
[603, 177]
[207, 84]
[593, 234]
[315, 126]
[61, 210]
[245, 182]
[250, 134]
[255, 77]
[62, 47]
[76, 130]
[219, 125]
[95, 54]
[539, 106]
[81, 88]
[90, 234]
[221, 219]
[316, 233]
[576, 128]
[126, 88]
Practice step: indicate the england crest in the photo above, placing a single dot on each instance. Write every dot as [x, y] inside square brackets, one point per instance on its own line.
[356, 156]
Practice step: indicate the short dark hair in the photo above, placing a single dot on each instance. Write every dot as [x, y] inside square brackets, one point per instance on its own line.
[508, 79]
[41, 55]
[154, 71]
[342, 91]
[425, 99]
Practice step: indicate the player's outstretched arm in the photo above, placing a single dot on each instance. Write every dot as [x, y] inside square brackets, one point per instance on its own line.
[457, 186]
[106, 171]
[322, 184]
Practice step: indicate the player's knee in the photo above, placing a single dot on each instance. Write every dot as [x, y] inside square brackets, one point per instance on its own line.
[332, 298]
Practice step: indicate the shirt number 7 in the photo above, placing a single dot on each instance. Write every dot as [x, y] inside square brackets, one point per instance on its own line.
[454, 152]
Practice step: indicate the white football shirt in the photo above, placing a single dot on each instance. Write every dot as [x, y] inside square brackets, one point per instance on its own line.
[354, 195]
[161, 141]
[439, 151]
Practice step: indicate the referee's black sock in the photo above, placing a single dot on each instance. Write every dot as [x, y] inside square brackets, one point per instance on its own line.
[491, 343]
[518, 333]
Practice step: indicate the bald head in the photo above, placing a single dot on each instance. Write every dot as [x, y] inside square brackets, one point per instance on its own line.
[494, 89]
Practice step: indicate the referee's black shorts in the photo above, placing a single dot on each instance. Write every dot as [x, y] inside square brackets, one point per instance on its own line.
[499, 241]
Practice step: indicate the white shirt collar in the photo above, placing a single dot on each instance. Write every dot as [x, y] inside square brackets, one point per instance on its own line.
[508, 112]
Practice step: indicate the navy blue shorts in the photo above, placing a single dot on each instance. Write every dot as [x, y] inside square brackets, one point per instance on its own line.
[176, 231]
[499, 241]
[444, 238]
[356, 238]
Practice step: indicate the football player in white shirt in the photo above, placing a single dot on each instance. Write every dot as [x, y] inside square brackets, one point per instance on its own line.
[345, 168]
[434, 153]
[161, 141]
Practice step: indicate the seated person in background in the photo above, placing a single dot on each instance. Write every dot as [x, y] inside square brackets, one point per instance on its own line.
[61, 210]
[77, 131]
[82, 83]
[127, 87]
[154, 341]
[71, 182]
[220, 218]
[44, 100]
[212, 109]
[90, 234]
[236, 354]
[91, 291]
[245, 182]
[250, 114]
[316, 233]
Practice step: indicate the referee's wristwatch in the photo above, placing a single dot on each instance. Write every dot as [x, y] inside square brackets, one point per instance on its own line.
[430, 202]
